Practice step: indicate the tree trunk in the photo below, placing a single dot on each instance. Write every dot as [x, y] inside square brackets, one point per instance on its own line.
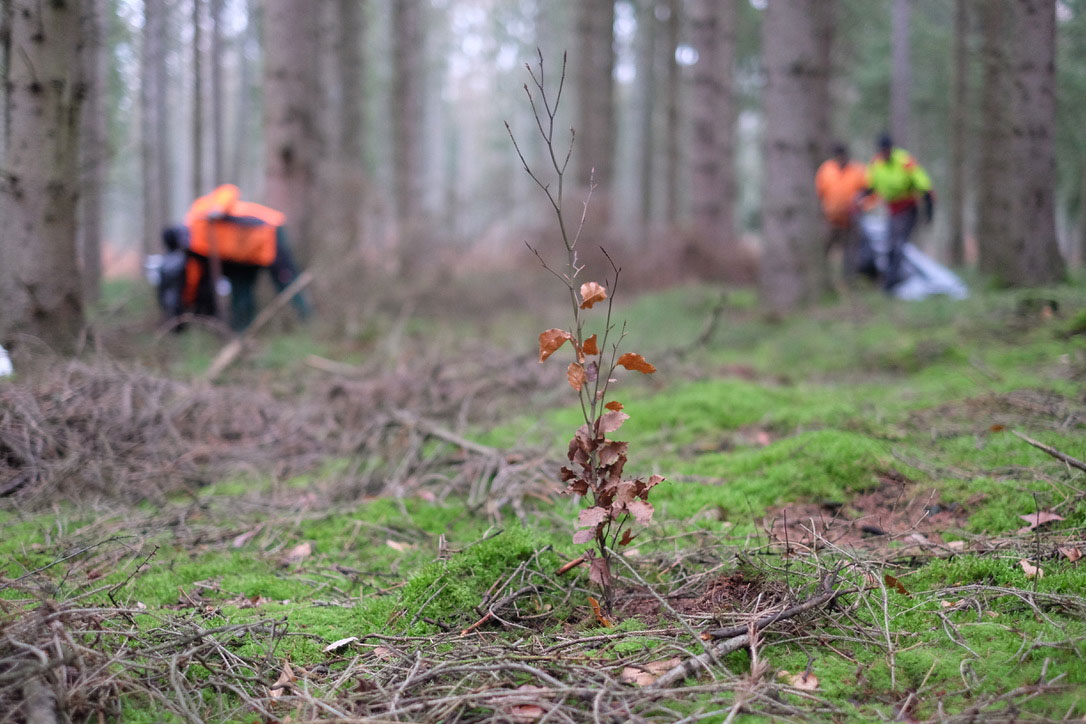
[95, 152]
[671, 131]
[153, 222]
[901, 71]
[164, 140]
[218, 106]
[1017, 226]
[407, 113]
[646, 76]
[293, 143]
[197, 99]
[712, 111]
[959, 109]
[40, 287]
[350, 73]
[594, 66]
[797, 38]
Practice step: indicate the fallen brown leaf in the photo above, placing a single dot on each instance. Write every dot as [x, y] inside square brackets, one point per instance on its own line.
[802, 680]
[1071, 553]
[647, 674]
[286, 678]
[1031, 570]
[527, 712]
[1038, 519]
[298, 553]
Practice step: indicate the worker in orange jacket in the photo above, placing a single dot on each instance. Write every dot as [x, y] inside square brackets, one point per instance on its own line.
[838, 182]
[225, 237]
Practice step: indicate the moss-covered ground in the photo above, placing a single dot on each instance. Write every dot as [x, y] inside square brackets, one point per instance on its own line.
[760, 419]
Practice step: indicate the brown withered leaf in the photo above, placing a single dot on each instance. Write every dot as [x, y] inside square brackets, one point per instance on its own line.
[584, 535]
[298, 553]
[286, 678]
[647, 674]
[653, 481]
[599, 572]
[627, 536]
[635, 362]
[550, 340]
[614, 405]
[895, 584]
[1036, 520]
[611, 421]
[640, 510]
[610, 452]
[591, 517]
[802, 680]
[577, 487]
[526, 713]
[590, 346]
[1031, 570]
[592, 292]
[576, 376]
[1071, 553]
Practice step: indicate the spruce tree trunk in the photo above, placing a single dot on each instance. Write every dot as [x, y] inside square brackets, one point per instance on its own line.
[1017, 221]
[197, 100]
[594, 65]
[408, 113]
[901, 71]
[150, 170]
[797, 39]
[293, 141]
[671, 130]
[94, 148]
[646, 74]
[40, 288]
[712, 111]
[959, 110]
[218, 105]
[350, 128]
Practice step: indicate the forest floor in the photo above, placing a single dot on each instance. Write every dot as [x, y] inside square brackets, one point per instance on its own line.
[854, 526]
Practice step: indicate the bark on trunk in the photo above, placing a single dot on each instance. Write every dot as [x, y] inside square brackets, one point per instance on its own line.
[671, 130]
[1017, 228]
[293, 142]
[594, 64]
[149, 158]
[40, 287]
[646, 75]
[351, 127]
[197, 99]
[959, 105]
[797, 38]
[901, 71]
[407, 112]
[94, 149]
[218, 106]
[712, 111]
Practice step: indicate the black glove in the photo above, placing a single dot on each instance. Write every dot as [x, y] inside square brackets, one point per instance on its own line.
[929, 206]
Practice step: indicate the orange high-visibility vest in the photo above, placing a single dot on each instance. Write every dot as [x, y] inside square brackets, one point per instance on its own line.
[222, 225]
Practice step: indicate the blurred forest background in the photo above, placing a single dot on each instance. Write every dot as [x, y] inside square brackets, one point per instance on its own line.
[377, 126]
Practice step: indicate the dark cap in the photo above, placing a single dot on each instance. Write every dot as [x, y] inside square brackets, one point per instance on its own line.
[885, 143]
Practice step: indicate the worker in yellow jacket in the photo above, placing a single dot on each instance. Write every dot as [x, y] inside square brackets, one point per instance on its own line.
[903, 184]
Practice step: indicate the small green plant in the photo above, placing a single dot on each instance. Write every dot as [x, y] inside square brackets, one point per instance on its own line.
[597, 462]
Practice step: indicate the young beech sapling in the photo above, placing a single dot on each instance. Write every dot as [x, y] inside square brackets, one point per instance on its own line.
[596, 461]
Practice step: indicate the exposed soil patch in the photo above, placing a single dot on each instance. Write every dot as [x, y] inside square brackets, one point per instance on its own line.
[896, 510]
[718, 597]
